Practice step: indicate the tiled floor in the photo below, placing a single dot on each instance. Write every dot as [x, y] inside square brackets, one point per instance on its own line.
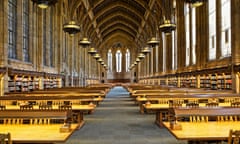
[117, 121]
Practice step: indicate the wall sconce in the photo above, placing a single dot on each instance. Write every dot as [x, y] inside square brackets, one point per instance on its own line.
[43, 4]
[71, 27]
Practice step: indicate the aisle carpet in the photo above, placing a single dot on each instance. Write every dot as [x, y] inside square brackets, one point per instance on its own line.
[117, 121]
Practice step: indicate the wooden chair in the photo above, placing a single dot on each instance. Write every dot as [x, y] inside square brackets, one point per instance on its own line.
[5, 138]
[235, 104]
[192, 105]
[212, 104]
[234, 137]
[2, 107]
[175, 104]
[26, 107]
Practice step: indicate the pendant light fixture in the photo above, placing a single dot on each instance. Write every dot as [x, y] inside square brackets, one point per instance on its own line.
[141, 56]
[96, 56]
[146, 50]
[167, 26]
[84, 42]
[168, 22]
[195, 3]
[92, 51]
[71, 27]
[153, 42]
[43, 4]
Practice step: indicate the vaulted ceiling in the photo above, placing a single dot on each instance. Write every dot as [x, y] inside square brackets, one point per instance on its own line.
[107, 22]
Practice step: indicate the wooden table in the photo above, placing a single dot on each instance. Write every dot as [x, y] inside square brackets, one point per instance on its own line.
[78, 110]
[161, 109]
[203, 131]
[37, 133]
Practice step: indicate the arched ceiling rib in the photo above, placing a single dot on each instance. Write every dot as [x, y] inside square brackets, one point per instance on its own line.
[121, 19]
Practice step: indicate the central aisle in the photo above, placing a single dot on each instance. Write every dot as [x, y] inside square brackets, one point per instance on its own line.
[117, 121]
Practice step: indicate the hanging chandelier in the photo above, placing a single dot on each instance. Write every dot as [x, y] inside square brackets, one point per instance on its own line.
[153, 42]
[146, 50]
[168, 20]
[84, 42]
[167, 27]
[195, 3]
[141, 56]
[71, 27]
[96, 56]
[92, 51]
[44, 3]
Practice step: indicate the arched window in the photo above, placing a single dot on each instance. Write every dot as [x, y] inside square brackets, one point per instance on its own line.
[226, 28]
[25, 35]
[118, 61]
[51, 46]
[193, 31]
[44, 38]
[109, 60]
[127, 60]
[187, 28]
[212, 29]
[12, 29]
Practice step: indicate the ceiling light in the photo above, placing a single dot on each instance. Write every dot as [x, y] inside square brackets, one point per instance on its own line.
[141, 56]
[195, 3]
[96, 56]
[146, 50]
[92, 51]
[84, 42]
[153, 42]
[167, 27]
[44, 3]
[71, 27]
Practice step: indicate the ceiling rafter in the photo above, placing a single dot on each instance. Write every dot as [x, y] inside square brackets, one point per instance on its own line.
[118, 22]
[103, 19]
[107, 32]
[120, 25]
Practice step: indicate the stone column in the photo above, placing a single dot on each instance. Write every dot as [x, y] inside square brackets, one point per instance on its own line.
[168, 42]
[203, 34]
[219, 29]
[180, 35]
[235, 30]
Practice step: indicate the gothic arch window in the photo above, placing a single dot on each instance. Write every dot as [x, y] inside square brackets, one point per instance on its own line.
[12, 29]
[109, 60]
[51, 48]
[212, 29]
[25, 35]
[226, 28]
[187, 28]
[127, 60]
[118, 61]
[44, 38]
[193, 31]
